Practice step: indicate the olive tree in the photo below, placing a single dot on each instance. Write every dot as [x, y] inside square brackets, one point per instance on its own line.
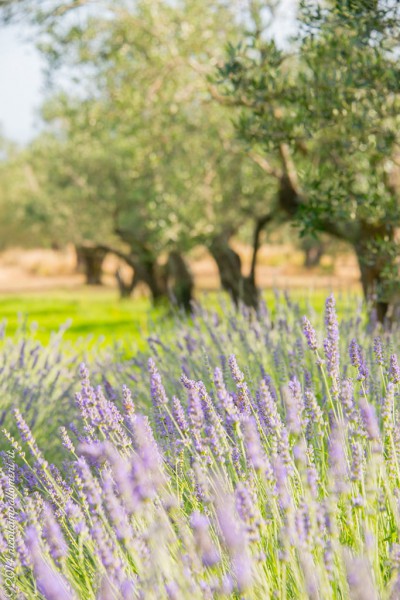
[147, 164]
[322, 116]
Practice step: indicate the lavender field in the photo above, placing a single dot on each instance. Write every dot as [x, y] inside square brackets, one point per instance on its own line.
[242, 455]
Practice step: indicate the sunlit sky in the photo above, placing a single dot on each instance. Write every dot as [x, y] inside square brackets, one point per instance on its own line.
[22, 79]
[21, 82]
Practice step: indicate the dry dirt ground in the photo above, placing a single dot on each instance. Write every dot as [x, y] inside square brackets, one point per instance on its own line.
[278, 266]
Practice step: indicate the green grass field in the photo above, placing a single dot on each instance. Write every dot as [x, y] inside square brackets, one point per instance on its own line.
[102, 316]
[95, 313]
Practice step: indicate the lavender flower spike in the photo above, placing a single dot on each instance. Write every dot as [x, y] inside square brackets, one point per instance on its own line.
[394, 369]
[50, 584]
[310, 334]
[54, 536]
[331, 342]
[235, 541]
[378, 351]
[204, 544]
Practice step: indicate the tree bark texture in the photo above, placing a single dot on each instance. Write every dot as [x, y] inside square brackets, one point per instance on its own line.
[90, 261]
[180, 281]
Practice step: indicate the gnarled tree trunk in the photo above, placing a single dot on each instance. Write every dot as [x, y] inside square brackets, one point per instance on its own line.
[90, 260]
[145, 270]
[180, 281]
[149, 272]
[229, 267]
[370, 281]
[240, 287]
[374, 265]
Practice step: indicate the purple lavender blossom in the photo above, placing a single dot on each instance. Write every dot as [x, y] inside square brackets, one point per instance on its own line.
[354, 352]
[90, 484]
[195, 410]
[233, 535]
[127, 400]
[22, 550]
[138, 508]
[201, 482]
[107, 551]
[53, 535]
[338, 461]
[66, 440]
[204, 544]
[118, 515]
[146, 466]
[359, 578]
[388, 407]
[280, 473]
[128, 588]
[357, 360]
[226, 401]
[294, 405]
[357, 459]
[172, 590]
[215, 438]
[164, 424]
[347, 399]
[394, 370]
[76, 518]
[331, 342]
[268, 409]
[245, 503]
[378, 351]
[179, 414]
[312, 478]
[26, 433]
[243, 399]
[283, 447]
[49, 582]
[310, 334]
[196, 420]
[235, 541]
[255, 453]
[312, 411]
[370, 421]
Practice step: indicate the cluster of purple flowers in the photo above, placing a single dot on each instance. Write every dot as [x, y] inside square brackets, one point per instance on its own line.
[40, 379]
[252, 457]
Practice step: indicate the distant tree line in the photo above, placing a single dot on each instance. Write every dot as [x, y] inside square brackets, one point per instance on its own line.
[184, 123]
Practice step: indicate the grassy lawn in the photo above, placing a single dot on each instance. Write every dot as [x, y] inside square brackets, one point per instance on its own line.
[99, 314]
[102, 316]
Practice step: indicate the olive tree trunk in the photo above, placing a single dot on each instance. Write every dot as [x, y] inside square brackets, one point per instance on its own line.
[180, 281]
[90, 261]
[149, 272]
[229, 267]
[240, 287]
[372, 243]
[145, 269]
[374, 269]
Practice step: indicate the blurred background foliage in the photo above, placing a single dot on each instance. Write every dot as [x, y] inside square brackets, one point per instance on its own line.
[170, 125]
